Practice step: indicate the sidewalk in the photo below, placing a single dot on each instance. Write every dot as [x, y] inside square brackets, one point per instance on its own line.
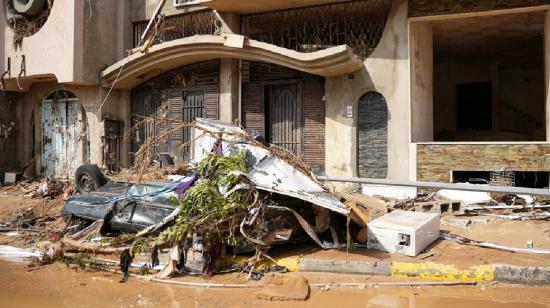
[445, 260]
[428, 271]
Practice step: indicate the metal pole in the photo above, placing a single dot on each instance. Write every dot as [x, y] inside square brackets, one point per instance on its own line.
[454, 186]
[152, 21]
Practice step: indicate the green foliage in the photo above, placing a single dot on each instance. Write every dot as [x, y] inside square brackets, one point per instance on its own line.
[140, 245]
[201, 199]
[204, 209]
[219, 168]
[83, 260]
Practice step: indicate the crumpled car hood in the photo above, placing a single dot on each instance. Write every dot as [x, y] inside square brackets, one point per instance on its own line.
[268, 172]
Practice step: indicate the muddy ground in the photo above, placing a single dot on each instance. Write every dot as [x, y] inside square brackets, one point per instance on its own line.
[57, 285]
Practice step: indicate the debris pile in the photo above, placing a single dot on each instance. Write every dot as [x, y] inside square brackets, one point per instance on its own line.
[235, 201]
[47, 188]
[458, 202]
[39, 219]
[239, 197]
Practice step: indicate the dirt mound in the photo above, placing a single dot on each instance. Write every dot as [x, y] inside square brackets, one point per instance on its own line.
[284, 287]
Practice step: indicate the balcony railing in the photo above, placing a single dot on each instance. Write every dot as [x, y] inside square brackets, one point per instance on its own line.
[359, 24]
[175, 27]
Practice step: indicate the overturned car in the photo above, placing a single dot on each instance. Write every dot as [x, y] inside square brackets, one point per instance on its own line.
[125, 207]
[240, 194]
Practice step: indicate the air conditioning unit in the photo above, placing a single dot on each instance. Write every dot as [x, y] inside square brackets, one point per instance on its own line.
[29, 7]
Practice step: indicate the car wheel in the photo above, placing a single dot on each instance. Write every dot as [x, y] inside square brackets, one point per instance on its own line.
[165, 160]
[89, 178]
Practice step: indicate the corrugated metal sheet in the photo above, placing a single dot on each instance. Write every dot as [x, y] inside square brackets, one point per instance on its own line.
[269, 172]
[61, 137]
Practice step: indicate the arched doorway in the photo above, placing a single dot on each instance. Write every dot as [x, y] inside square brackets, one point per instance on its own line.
[372, 135]
[63, 134]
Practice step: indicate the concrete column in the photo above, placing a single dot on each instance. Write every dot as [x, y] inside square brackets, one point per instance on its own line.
[547, 70]
[124, 115]
[340, 132]
[124, 29]
[91, 105]
[229, 73]
[421, 45]
[231, 22]
[3, 25]
[229, 90]
[390, 61]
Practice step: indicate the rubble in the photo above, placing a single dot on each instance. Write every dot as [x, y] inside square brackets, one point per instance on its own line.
[464, 222]
[47, 188]
[238, 195]
[467, 241]
[466, 197]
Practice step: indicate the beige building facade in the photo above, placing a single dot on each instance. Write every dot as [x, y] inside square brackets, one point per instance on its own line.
[409, 90]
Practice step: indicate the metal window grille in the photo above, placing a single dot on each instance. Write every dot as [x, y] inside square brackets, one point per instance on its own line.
[180, 26]
[503, 178]
[359, 24]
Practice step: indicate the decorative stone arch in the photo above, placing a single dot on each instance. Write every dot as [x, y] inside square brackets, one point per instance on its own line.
[372, 136]
[64, 137]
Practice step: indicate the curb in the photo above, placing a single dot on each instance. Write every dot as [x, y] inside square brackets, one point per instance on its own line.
[423, 271]
[522, 274]
[346, 267]
[435, 271]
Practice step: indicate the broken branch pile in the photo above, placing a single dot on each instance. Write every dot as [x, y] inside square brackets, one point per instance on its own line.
[237, 194]
[205, 210]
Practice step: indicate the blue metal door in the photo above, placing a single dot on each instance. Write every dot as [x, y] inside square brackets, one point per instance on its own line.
[61, 137]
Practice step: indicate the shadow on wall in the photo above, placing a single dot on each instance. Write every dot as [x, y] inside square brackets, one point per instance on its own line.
[393, 44]
[8, 140]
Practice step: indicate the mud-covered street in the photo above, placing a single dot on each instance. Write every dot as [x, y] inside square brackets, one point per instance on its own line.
[290, 153]
[59, 286]
[69, 285]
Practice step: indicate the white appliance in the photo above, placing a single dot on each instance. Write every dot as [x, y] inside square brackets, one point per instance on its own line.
[403, 232]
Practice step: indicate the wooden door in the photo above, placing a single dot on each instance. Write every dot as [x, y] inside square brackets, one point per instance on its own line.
[285, 123]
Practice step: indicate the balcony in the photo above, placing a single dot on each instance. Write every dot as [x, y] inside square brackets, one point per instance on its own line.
[358, 24]
[140, 67]
[64, 49]
[249, 7]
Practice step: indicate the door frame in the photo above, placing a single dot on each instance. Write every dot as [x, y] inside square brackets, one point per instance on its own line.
[299, 100]
[81, 146]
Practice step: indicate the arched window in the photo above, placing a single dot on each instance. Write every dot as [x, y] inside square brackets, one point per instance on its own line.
[372, 136]
[60, 95]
